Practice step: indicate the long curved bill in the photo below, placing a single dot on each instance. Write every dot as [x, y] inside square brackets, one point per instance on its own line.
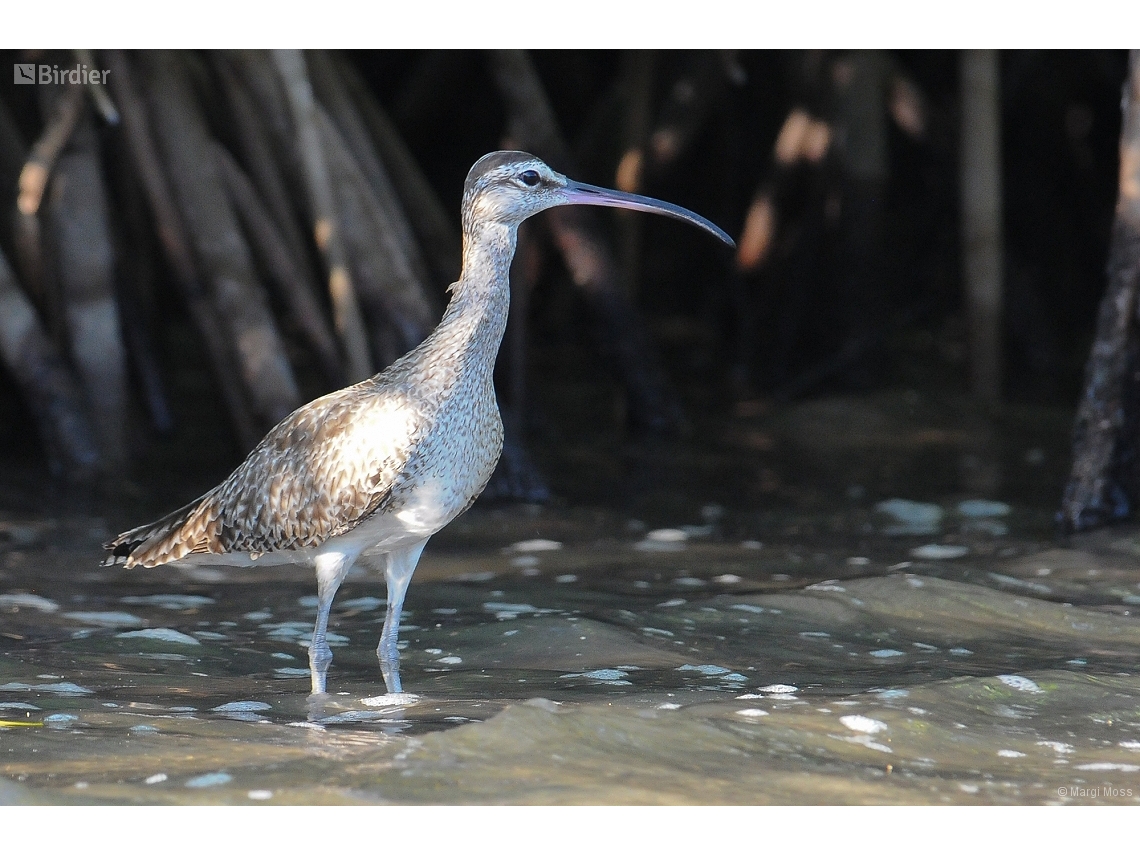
[577, 193]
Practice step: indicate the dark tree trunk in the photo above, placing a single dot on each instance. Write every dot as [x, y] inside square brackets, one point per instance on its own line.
[175, 244]
[85, 268]
[211, 224]
[437, 231]
[276, 255]
[653, 404]
[51, 392]
[312, 163]
[981, 201]
[1103, 483]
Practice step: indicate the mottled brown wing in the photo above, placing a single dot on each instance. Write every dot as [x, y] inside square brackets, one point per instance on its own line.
[318, 474]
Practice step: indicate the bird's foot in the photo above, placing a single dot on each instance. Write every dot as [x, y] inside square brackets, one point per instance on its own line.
[318, 704]
[389, 658]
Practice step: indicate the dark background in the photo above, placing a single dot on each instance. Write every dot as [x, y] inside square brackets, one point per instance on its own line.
[717, 332]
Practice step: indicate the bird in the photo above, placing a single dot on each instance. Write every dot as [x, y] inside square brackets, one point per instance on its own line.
[378, 467]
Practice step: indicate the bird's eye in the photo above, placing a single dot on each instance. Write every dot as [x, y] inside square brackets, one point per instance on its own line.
[530, 178]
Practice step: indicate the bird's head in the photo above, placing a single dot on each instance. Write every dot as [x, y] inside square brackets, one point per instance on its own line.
[506, 187]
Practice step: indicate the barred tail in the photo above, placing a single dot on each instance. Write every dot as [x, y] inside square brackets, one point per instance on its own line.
[148, 545]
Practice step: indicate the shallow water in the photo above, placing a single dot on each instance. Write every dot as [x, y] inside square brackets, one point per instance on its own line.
[578, 655]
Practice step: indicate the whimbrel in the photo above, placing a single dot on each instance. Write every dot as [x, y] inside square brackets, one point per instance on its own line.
[381, 466]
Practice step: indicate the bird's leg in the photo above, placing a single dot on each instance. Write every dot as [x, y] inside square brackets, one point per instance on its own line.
[331, 569]
[401, 566]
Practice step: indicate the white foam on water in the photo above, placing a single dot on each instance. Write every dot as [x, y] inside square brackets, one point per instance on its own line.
[107, 619]
[243, 706]
[1022, 684]
[886, 653]
[981, 508]
[961, 651]
[916, 517]
[55, 688]
[1014, 582]
[354, 717]
[1109, 767]
[505, 611]
[676, 601]
[652, 630]
[1009, 752]
[606, 675]
[940, 551]
[450, 660]
[689, 582]
[18, 705]
[60, 720]
[663, 540]
[668, 535]
[31, 601]
[748, 607]
[259, 795]
[565, 578]
[289, 673]
[210, 636]
[394, 699]
[210, 779]
[707, 670]
[779, 689]
[727, 579]
[258, 616]
[1131, 746]
[171, 636]
[541, 703]
[156, 778]
[538, 544]
[1059, 747]
[862, 724]
[912, 512]
[752, 712]
[143, 729]
[865, 740]
[365, 604]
